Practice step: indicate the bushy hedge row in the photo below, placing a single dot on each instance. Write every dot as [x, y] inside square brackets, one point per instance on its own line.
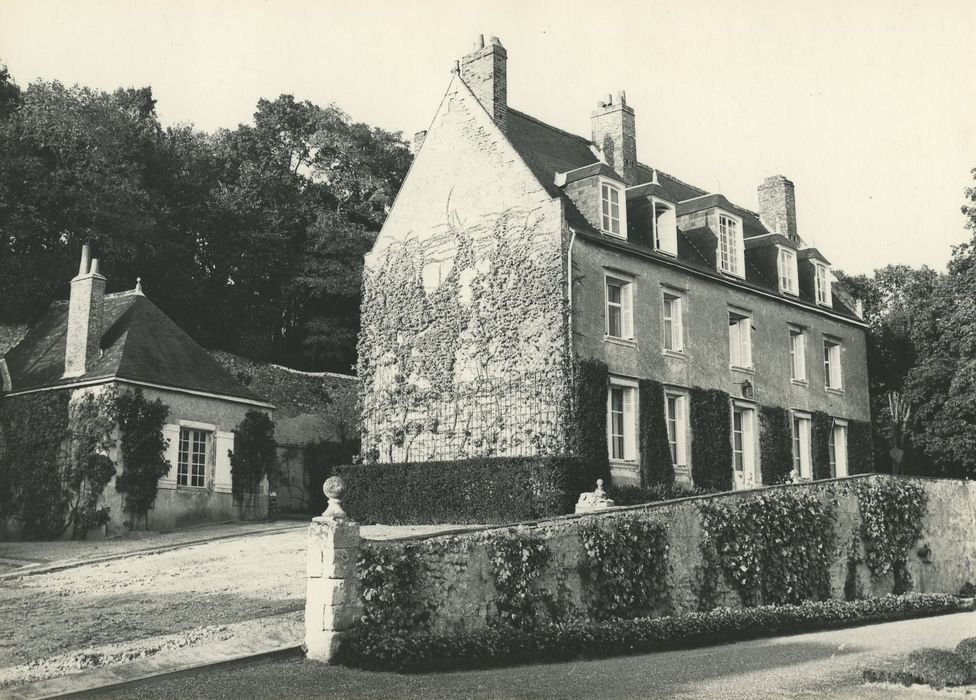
[480, 490]
[507, 646]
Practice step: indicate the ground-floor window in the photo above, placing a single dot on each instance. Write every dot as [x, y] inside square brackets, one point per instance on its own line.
[676, 413]
[838, 448]
[744, 445]
[801, 446]
[192, 457]
[622, 420]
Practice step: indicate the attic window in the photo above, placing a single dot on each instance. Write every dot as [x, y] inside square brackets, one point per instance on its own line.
[731, 252]
[822, 284]
[786, 264]
[665, 227]
[612, 215]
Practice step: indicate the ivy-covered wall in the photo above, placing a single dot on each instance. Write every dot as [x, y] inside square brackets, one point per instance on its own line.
[655, 450]
[463, 348]
[711, 441]
[775, 444]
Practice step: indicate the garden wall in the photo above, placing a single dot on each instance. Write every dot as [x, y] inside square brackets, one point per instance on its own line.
[455, 574]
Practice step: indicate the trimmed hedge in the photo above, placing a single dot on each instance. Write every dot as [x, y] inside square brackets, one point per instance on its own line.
[775, 444]
[588, 435]
[820, 426]
[507, 646]
[655, 450]
[711, 439]
[485, 490]
[860, 450]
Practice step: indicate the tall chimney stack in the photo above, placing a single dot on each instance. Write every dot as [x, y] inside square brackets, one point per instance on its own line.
[86, 306]
[485, 72]
[614, 133]
[777, 206]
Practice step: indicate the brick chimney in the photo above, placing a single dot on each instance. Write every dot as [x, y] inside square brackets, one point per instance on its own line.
[86, 307]
[613, 132]
[777, 206]
[484, 71]
[418, 140]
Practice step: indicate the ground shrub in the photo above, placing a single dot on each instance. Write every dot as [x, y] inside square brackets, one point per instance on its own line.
[654, 493]
[560, 642]
[966, 649]
[480, 490]
[938, 668]
[879, 675]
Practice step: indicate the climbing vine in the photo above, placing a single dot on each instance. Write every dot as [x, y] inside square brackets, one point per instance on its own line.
[589, 431]
[517, 563]
[891, 524]
[821, 425]
[625, 568]
[655, 450]
[254, 456]
[89, 467]
[711, 442]
[775, 444]
[392, 603]
[774, 548]
[142, 449]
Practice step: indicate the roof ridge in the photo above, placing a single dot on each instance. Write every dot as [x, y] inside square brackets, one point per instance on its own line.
[550, 126]
[676, 179]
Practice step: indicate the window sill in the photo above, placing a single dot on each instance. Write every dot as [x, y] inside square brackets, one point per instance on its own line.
[733, 275]
[618, 236]
[800, 382]
[624, 463]
[185, 487]
[678, 354]
[626, 342]
[832, 390]
[744, 370]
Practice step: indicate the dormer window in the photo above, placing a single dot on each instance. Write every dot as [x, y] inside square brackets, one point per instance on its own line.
[730, 247]
[665, 227]
[787, 271]
[821, 281]
[612, 215]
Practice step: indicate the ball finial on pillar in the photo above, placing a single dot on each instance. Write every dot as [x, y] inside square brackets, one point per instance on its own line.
[334, 488]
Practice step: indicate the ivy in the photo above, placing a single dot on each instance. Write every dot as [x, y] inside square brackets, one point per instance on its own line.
[821, 425]
[625, 568]
[89, 468]
[860, 450]
[389, 588]
[589, 433]
[711, 442]
[655, 450]
[517, 564]
[254, 456]
[891, 524]
[773, 548]
[775, 444]
[143, 450]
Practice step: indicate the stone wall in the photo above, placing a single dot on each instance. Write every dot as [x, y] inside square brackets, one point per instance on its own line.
[458, 574]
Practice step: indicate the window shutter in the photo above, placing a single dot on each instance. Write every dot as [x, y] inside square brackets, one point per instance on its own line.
[627, 310]
[678, 323]
[172, 433]
[740, 252]
[733, 343]
[746, 326]
[630, 423]
[224, 443]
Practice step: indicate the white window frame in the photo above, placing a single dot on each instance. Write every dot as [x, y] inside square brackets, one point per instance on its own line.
[740, 339]
[730, 254]
[798, 355]
[833, 369]
[606, 217]
[801, 427]
[187, 475]
[821, 284]
[676, 420]
[673, 321]
[786, 268]
[838, 448]
[744, 464]
[625, 305]
[664, 232]
[628, 421]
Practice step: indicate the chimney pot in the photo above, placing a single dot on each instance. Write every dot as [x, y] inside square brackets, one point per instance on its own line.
[609, 101]
[86, 308]
[479, 42]
[94, 266]
[614, 133]
[85, 260]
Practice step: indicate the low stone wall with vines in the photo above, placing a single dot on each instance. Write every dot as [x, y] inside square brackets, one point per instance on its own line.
[863, 536]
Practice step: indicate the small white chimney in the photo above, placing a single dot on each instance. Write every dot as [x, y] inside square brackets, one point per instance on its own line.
[86, 307]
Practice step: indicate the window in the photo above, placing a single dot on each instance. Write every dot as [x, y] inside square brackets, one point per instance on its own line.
[620, 309]
[838, 448]
[740, 340]
[801, 446]
[676, 413]
[798, 355]
[832, 370]
[621, 420]
[673, 323]
[665, 227]
[192, 457]
[743, 446]
[611, 219]
[822, 284]
[730, 250]
[787, 272]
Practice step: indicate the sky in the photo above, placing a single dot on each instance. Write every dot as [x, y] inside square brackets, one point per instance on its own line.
[867, 106]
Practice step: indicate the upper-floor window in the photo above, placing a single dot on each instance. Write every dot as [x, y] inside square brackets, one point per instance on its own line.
[620, 308]
[821, 283]
[787, 271]
[730, 247]
[740, 340]
[191, 466]
[833, 377]
[665, 227]
[621, 421]
[802, 463]
[676, 412]
[798, 355]
[611, 217]
[673, 315]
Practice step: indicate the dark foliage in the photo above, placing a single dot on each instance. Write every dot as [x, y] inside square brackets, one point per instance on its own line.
[860, 452]
[477, 490]
[589, 439]
[142, 449]
[711, 446]
[636, 495]
[320, 460]
[254, 456]
[820, 426]
[655, 451]
[775, 444]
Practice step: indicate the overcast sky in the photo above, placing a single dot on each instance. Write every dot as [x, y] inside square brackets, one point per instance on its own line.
[867, 106]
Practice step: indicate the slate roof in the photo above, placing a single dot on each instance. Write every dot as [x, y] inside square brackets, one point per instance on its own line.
[139, 343]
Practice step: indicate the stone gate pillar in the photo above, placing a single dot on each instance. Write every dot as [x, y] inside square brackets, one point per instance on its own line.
[332, 601]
